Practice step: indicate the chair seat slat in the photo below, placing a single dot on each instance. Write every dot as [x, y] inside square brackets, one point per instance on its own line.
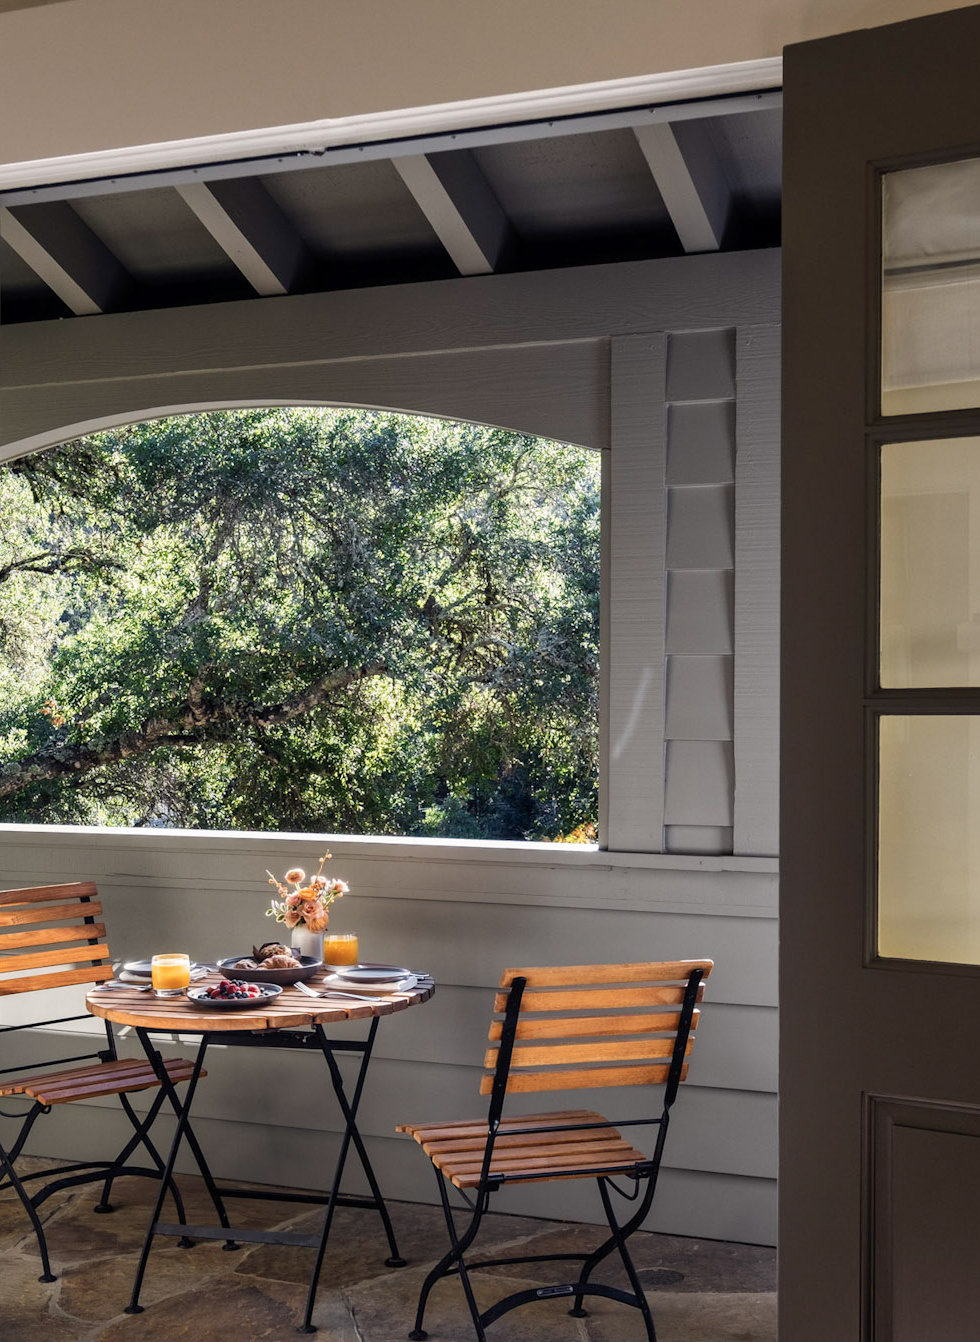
[503, 1143]
[57, 913]
[478, 1126]
[52, 936]
[107, 1078]
[67, 955]
[595, 1149]
[93, 1089]
[550, 1157]
[661, 971]
[42, 894]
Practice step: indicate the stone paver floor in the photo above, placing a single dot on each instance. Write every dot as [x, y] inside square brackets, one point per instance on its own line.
[700, 1290]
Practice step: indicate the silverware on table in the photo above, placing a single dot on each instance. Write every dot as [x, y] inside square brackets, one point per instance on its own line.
[338, 992]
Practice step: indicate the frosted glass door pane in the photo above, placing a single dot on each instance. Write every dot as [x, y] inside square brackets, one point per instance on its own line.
[930, 319]
[929, 838]
[930, 564]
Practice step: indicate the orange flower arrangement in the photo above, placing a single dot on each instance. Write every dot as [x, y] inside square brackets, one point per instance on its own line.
[308, 901]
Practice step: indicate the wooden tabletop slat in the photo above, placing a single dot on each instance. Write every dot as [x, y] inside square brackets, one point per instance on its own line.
[292, 1009]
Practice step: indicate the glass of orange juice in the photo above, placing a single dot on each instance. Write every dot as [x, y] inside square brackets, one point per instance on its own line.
[340, 948]
[170, 974]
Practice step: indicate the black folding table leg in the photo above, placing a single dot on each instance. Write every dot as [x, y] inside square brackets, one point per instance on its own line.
[349, 1111]
[156, 1061]
[182, 1111]
[7, 1165]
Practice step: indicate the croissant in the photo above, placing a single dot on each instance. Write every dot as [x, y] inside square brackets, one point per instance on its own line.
[262, 953]
[245, 964]
[284, 961]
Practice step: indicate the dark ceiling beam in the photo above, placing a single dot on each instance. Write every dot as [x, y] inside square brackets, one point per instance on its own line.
[691, 180]
[63, 251]
[252, 230]
[458, 201]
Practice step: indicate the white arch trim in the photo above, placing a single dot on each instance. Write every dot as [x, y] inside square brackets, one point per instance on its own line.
[54, 437]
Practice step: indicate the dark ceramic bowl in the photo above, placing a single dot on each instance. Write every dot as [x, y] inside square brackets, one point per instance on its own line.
[284, 977]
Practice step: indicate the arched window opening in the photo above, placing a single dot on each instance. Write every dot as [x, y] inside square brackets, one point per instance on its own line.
[302, 620]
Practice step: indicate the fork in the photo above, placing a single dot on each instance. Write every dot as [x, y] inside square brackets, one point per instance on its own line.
[335, 992]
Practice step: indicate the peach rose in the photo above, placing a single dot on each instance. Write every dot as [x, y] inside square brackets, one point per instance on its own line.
[293, 901]
[292, 918]
[317, 922]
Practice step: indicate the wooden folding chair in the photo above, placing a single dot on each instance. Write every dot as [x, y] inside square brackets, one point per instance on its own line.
[566, 1028]
[59, 928]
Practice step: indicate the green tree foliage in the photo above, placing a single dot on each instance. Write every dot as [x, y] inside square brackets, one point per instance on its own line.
[303, 620]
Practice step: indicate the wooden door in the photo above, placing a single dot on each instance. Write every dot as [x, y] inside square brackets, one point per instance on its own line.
[880, 794]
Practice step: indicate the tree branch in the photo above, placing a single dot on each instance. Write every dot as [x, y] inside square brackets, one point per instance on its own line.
[196, 722]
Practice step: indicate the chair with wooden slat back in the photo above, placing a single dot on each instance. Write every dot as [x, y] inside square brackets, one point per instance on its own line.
[566, 1028]
[54, 936]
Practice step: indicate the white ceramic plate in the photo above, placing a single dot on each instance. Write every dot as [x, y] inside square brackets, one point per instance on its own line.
[402, 985]
[370, 974]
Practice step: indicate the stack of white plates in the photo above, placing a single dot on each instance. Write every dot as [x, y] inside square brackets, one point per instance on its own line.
[380, 979]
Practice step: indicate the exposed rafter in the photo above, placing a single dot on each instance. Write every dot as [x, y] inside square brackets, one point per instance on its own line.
[64, 252]
[252, 230]
[458, 202]
[690, 179]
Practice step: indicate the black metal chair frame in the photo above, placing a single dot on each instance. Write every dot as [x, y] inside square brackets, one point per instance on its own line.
[644, 1175]
[89, 1171]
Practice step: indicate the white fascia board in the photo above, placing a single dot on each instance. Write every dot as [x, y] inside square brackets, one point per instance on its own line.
[405, 123]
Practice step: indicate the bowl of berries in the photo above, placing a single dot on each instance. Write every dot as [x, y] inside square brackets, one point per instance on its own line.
[232, 994]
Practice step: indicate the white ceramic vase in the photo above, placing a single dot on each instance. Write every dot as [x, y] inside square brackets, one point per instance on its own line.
[305, 942]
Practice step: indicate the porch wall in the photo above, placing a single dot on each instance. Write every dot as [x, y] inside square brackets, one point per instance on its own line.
[670, 369]
[463, 915]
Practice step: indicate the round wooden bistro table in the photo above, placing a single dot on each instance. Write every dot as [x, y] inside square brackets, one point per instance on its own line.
[294, 1021]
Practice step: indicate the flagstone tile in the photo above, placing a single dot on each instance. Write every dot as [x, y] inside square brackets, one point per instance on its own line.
[357, 1248]
[235, 1310]
[97, 1289]
[385, 1310]
[686, 1317]
[29, 1309]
